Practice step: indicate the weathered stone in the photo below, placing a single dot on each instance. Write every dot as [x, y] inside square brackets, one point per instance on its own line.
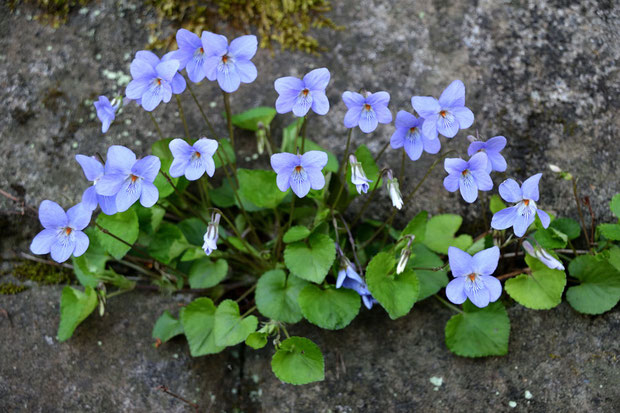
[544, 74]
[110, 363]
[567, 361]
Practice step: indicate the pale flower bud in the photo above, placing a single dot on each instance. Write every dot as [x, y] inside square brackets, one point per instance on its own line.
[211, 235]
[555, 168]
[358, 177]
[394, 191]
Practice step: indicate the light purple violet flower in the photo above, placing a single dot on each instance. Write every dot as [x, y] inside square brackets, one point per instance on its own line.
[192, 160]
[299, 172]
[349, 278]
[299, 95]
[468, 176]
[472, 277]
[492, 148]
[93, 170]
[129, 179]
[358, 176]
[229, 65]
[523, 214]
[446, 115]
[106, 111]
[210, 237]
[154, 80]
[409, 135]
[543, 256]
[366, 110]
[63, 234]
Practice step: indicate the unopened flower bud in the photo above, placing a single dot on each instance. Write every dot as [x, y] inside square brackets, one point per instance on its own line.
[358, 177]
[405, 254]
[555, 168]
[210, 238]
[394, 191]
[471, 138]
[261, 138]
[543, 256]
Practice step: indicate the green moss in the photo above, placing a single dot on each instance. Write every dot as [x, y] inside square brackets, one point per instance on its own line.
[53, 12]
[286, 22]
[43, 274]
[10, 288]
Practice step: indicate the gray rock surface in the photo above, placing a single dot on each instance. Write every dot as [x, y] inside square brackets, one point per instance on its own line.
[566, 361]
[544, 74]
[110, 363]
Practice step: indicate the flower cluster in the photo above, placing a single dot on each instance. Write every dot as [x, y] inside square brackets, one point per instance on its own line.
[277, 247]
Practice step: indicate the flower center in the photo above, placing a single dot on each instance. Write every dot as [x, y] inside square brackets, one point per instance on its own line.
[526, 202]
[443, 113]
[465, 172]
[202, 50]
[68, 231]
[133, 178]
[158, 80]
[472, 277]
[225, 58]
[367, 107]
[305, 92]
[298, 168]
[413, 129]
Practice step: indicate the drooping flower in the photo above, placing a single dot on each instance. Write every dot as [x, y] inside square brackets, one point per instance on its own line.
[129, 179]
[349, 278]
[62, 236]
[472, 277]
[299, 172]
[492, 148]
[299, 95]
[468, 176]
[229, 65]
[543, 256]
[358, 177]
[446, 115]
[93, 170]
[405, 254]
[106, 111]
[210, 238]
[409, 135]
[192, 160]
[154, 80]
[394, 190]
[366, 110]
[523, 214]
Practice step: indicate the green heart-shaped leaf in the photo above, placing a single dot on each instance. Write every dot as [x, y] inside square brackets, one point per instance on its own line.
[479, 332]
[206, 273]
[296, 233]
[123, 225]
[599, 290]
[329, 308]
[75, 306]
[395, 292]
[198, 319]
[440, 231]
[430, 281]
[167, 327]
[229, 328]
[298, 361]
[311, 259]
[276, 296]
[540, 290]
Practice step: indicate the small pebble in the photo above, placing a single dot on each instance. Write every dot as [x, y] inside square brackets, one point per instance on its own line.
[99, 343]
[512, 404]
[436, 381]
[528, 395]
